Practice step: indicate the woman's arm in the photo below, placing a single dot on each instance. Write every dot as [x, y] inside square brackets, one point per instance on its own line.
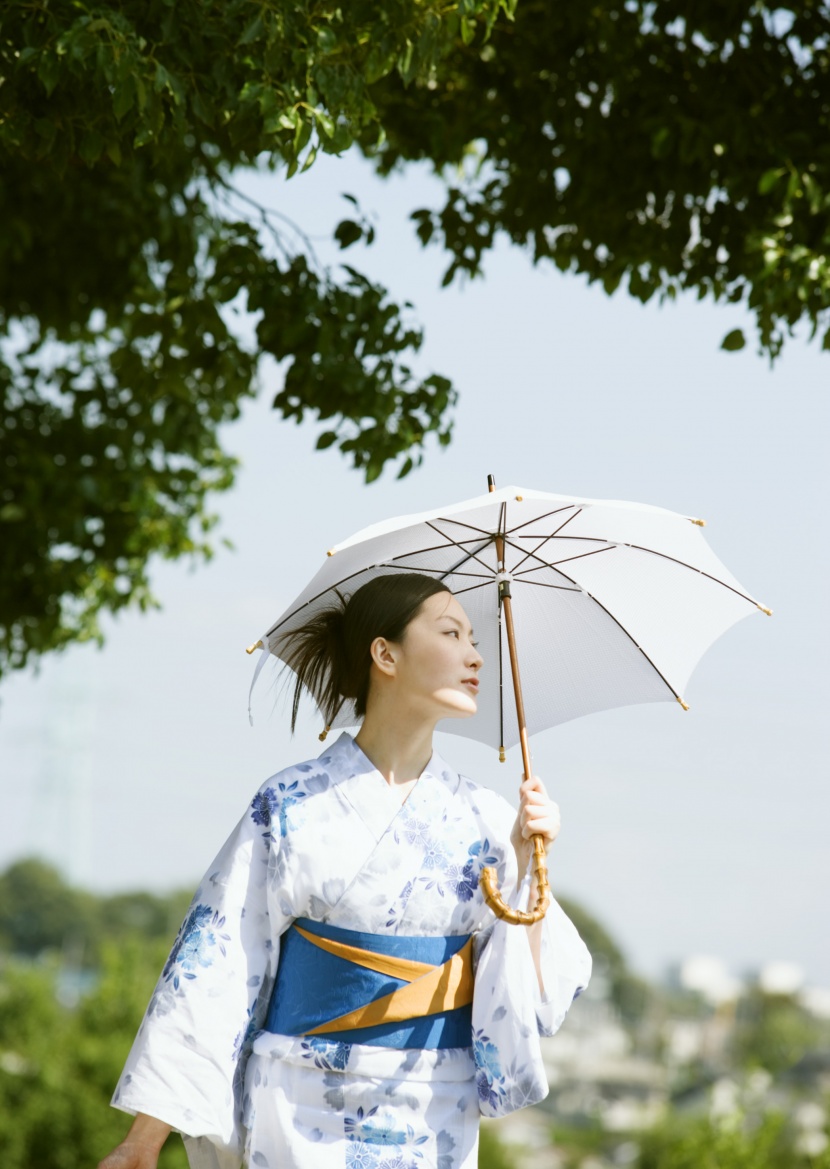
[141, 1146]
[538, 815]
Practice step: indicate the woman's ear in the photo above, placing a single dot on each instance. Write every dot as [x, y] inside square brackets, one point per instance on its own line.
[383, 654]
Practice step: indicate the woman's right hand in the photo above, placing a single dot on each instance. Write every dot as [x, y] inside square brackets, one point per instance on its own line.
[141, 1146]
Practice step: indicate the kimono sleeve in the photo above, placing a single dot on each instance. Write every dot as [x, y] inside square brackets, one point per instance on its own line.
[186, 1065]
[510, 1014]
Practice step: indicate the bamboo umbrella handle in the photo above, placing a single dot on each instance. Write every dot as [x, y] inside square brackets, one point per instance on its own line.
[518, 916]
[540, 867]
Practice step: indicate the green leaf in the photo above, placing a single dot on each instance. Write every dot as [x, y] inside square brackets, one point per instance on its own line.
[814, 194]
[381, 59]
[372, 472]
[200, 108]
[326, 39]
[733, 341]
[347, 233]
[253, 31]
[769, 178]
[48, 70]
[325, 122]
[91, 147]
[326, 440]
[123, 97]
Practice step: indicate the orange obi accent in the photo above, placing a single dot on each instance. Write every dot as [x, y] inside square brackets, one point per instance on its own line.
[429, 989]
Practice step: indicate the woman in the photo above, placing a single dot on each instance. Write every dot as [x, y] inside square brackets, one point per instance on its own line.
[339, 994]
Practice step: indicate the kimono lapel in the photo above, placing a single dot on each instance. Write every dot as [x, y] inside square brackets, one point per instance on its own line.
[367, 791]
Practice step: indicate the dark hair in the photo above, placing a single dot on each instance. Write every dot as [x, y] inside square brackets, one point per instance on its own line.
[330, 653]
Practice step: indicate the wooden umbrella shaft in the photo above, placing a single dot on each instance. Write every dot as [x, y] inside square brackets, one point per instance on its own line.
[540, 869]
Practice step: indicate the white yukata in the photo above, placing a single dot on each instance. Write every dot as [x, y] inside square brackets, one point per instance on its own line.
[329, 840]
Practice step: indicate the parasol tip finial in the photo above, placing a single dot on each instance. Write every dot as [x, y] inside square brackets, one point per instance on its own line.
[700, 523]
[491, 483]
[330, 552]
[502, 755]
[323, 733]
[764, 609]
[257, 645]
[685, 705]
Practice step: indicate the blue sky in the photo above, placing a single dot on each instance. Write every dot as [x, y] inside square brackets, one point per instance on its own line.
[698, 832]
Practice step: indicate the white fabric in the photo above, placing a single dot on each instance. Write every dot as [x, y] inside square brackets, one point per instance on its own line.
[614, 603]
[328, 839]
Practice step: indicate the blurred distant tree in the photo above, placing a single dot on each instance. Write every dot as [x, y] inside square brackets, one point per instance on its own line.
[629, 993]
[40, 911]
[58, 1068]
[661, 145]
[773, 1031]
[701, 1143]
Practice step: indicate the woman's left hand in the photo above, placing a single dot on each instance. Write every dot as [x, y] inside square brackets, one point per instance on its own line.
[538, 816]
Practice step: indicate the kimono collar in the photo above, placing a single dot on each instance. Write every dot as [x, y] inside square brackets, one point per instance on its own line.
[345, 759]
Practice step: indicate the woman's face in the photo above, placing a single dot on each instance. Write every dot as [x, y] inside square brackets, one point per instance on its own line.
[435, 665]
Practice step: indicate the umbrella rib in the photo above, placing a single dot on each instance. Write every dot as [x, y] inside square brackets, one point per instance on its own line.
[631, 638]
[390, 563]
[544, 539]
[468, 555]
[543, 584]
[472, 588]
[579, 511]
[555, 511]
[565, 560]
[691, 567]
[316, 597]
[542, 564]
[636, 548]
[555, 536]
[460, 524]
[441, 571]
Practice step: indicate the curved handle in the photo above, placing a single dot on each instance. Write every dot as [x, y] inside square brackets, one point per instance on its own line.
[518, 916]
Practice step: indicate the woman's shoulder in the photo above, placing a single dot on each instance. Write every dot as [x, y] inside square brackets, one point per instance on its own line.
[309, 777]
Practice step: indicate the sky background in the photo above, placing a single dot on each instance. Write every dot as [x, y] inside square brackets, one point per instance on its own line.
[685, 833]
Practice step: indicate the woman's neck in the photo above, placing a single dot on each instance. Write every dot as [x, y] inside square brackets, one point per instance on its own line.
[400, 753]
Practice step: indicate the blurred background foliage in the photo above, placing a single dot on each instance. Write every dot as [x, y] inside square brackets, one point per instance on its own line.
[77, 970]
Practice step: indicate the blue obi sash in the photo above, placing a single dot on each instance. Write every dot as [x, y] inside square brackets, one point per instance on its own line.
[326, 986]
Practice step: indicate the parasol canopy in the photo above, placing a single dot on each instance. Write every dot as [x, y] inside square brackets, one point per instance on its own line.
[614, 603]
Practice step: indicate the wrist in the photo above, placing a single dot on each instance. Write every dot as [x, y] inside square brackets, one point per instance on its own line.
[148, 1132]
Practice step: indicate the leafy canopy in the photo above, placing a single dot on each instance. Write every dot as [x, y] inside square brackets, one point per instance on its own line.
[125, 256]
[661, 146]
